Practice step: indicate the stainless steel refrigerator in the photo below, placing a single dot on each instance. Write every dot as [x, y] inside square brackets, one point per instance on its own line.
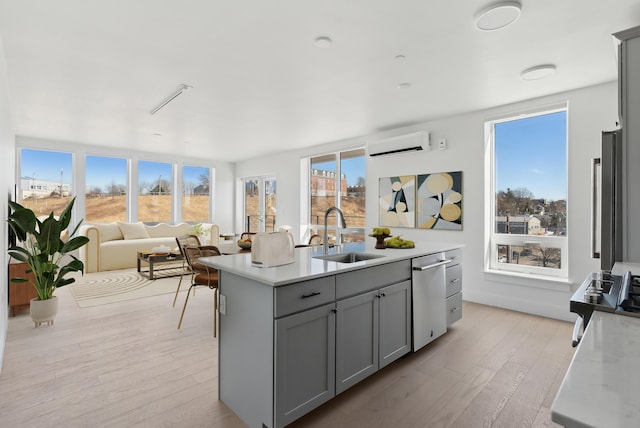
[607, 201]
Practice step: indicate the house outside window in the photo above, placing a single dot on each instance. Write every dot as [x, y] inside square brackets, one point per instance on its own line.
[527, 160]
[155, 193]
[196, 193]
[46, 181]
[338, 179]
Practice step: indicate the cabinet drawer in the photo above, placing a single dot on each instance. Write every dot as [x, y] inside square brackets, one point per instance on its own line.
[304, 295]
[454, 308]
[363, 280]
[455, 256]
[454, 279]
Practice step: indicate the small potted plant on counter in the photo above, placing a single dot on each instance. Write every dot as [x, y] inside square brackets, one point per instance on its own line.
[202, 232]
[42, 248]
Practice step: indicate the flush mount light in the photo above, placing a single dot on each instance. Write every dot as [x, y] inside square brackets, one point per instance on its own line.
[399, 57]
[497, 16]
[404, 85]
[538, 72]
[171, 97]
[322, 42]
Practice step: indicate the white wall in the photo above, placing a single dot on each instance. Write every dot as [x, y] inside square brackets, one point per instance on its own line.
[7, 173]
[591, 110]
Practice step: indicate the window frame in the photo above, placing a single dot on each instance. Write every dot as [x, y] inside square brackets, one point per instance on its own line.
[494, 239]
[78, 176]
[337, 175]
[261, 180]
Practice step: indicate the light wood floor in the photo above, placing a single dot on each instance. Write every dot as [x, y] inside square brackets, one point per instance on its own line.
[126, 364]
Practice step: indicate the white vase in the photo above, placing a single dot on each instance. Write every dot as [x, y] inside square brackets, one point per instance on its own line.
[44, 311]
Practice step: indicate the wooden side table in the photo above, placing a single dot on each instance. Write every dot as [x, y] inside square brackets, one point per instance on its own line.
[20, 293]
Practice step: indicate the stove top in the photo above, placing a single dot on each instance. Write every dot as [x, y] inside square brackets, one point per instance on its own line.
[618, 294]
[629, 298]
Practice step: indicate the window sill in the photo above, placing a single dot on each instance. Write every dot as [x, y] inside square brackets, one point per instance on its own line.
[528, 280]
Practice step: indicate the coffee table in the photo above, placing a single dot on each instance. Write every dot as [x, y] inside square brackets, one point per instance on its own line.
[152, 259]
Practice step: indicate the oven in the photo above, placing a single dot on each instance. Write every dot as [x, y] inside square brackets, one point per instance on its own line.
[604, 291]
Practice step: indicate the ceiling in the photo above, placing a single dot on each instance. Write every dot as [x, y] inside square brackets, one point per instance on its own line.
[90, 71]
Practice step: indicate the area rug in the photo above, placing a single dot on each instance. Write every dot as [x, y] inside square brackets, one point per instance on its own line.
[101, 288]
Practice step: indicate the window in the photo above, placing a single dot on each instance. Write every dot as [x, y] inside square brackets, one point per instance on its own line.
[45, 180]
[105, 189]
[196, 193]
[338, 179]
[528, 214]
[155, 191]
[260, 204]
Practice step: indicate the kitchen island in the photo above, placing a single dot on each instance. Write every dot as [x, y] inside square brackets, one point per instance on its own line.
[600, 388]
[294, 336]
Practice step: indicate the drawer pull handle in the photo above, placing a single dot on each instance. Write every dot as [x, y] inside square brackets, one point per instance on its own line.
[312, 294]
[453, 281]
[454, 310]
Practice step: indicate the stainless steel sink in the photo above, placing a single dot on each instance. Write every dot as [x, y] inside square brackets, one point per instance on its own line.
[348, 257]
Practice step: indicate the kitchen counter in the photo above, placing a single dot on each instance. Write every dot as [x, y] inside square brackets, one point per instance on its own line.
[601, 387]
[307, 267]
[291, 337]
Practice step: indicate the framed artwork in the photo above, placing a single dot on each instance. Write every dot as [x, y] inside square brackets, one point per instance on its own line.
[396, 203]
[439, 198]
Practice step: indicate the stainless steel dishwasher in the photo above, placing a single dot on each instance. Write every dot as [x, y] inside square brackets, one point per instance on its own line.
[429, 298]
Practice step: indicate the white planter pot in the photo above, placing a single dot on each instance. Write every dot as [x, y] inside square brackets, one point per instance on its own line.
[44, 311]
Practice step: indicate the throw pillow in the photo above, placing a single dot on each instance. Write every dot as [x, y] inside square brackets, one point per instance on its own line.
[109, 231]
[133, 230]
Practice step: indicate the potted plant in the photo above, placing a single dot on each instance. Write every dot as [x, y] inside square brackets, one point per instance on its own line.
[43, 249]
[201, 232]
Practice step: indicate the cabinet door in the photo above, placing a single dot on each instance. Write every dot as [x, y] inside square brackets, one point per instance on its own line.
[305, 363]
[395, 322]
[356, 339]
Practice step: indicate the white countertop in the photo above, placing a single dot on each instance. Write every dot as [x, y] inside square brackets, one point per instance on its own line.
[602, 386]
[307, 267]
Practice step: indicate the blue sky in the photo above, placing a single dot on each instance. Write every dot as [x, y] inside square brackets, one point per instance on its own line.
[46, 167]
[100, 170]
[531, 153]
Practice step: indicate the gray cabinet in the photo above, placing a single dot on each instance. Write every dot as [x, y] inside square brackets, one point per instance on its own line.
[395, 322]
[357, 330]
[305, 362]
[453, 281]
[373, 328]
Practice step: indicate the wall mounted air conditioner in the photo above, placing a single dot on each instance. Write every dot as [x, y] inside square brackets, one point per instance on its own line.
[401, 144]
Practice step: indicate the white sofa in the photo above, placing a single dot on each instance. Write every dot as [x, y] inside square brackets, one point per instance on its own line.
[115, 245]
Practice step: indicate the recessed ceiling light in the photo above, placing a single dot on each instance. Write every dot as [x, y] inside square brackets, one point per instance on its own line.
[404, 85]
[322, 42]
[497, 16]
[538, 72]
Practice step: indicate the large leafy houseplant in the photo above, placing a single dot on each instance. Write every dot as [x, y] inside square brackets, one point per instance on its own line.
[43, 249]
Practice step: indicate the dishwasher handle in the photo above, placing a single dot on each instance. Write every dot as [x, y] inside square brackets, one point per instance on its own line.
[440, 263]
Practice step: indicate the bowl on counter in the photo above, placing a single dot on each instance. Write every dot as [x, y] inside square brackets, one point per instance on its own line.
[245, 245]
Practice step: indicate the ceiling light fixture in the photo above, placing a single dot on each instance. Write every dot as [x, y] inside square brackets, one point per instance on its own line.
[404, 85]
[497, 16]
[171, 97]
[399, 57]
[322, 42]
[538, 72]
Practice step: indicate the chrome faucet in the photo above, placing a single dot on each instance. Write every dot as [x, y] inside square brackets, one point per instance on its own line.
[325, 242]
